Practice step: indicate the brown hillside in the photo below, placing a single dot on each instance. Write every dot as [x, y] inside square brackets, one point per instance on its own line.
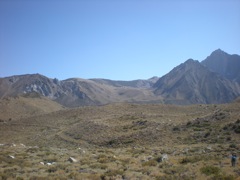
[25, 106]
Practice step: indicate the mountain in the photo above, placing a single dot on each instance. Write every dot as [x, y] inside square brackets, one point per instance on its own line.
[225, 64]
[22, 84]
[75, 92]
[215, 80]
[191, 82]
[65, 92]
[135, 83]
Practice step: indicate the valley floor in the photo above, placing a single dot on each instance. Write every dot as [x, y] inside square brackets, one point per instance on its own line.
[123, 141]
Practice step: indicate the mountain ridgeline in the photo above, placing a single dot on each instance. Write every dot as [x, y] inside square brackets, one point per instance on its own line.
[214, 80]
[224, 64]
[191, 82]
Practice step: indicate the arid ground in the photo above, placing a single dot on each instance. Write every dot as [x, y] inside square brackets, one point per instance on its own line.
[40, 139]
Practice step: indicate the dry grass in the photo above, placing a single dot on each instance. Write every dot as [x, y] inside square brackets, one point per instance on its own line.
[123, 141]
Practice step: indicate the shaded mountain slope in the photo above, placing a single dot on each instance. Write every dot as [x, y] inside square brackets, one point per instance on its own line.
[225, 64]
[191, 82]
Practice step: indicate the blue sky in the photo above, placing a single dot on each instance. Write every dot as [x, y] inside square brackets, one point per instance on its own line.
[113, 39]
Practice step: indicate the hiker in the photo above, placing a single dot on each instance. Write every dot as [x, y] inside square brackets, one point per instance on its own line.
[233, 159]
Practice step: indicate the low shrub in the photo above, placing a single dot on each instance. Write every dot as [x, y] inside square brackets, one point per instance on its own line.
[52, 169]
[185, 160]
[4, 176]
[237, 129]
[210, 170]
[176, 129]
[233, 146]
[223, 177]
[193, 159]
[175, 170]
[152, 162]
[99, 166]
[116, 172]
[189, 123]
[207, 134]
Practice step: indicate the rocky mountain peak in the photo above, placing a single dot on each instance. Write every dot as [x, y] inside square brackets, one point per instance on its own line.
[224, 64]
[188, 65]
[218, 54]
[219, 51]
[191, 62]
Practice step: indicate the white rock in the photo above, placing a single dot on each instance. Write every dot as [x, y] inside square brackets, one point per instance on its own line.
[209, 148]
[71, 159]
[81, 150]
[42, 163]
[22, 145]
[164, 157]
[94, 155]
[11, 156]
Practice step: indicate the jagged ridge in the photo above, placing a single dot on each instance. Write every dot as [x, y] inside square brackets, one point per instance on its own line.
[215, 80]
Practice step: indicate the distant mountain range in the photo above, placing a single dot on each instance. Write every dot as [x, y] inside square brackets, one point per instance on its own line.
[214, 80]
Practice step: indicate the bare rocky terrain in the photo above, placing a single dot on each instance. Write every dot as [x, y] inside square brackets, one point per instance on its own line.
[40, 139]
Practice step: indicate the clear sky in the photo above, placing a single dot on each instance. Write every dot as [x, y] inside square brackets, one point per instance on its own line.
[113, 39]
